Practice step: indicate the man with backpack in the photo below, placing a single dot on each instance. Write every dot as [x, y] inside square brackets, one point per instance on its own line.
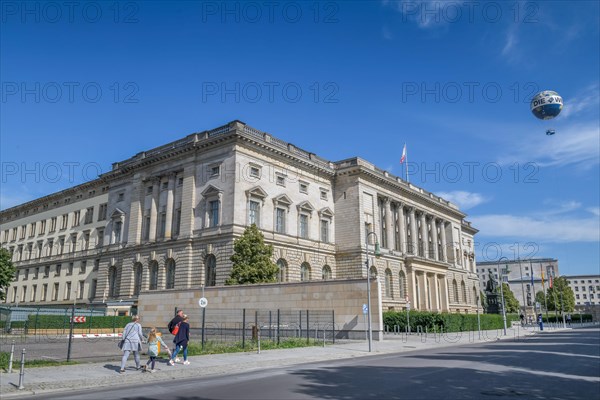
[174, 327]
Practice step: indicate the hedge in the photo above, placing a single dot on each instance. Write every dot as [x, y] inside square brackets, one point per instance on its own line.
[35, 321]
[446, 322]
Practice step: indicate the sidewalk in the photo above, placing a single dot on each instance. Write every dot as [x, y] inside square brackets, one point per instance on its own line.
[91, 375]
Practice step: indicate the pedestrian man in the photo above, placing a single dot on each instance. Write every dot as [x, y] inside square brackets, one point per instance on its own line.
[173, 327]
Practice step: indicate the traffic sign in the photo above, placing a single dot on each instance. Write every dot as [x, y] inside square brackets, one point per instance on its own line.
[78, 320]
[365, 309]
[203, 302]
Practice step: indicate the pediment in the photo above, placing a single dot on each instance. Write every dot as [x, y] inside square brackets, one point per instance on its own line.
[211, 191]
[118, 213]
[256, 191]
[306, 206]
[282, 199]
[326, 212]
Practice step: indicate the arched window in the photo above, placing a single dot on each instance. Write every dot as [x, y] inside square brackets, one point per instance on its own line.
[305, 272]
[388, 283]
[326, 273]
[137, 278]
[463, 289]
[170, 271]
[455, 291]
[153, 273]
[402, 284]
[373, 271]
[282, 270]
[211, 270]
[112, 281]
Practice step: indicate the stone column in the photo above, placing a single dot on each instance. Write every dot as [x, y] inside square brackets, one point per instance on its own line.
[413, 231]
[424, 233]
[435, 238]
[413, 288]
[445, 298]
[169, 211]
[154, 209]
[188, 202]
[443, 239]
[423, 291]
[389, 227]
[134, 235]
[436, 297]
[401, 228]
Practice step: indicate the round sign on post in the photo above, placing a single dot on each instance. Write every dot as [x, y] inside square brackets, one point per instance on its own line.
[203, 302]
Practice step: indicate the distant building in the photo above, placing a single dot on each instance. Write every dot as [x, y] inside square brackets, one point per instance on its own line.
[167, 218]
[586, 289]
[519, 278]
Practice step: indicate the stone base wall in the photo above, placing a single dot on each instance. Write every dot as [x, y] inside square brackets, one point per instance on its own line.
[344, 297]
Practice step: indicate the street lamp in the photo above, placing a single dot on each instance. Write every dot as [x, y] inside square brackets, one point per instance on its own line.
[500, 273]
[377, 254]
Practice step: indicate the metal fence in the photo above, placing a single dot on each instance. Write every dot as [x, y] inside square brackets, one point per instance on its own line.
[226, 326]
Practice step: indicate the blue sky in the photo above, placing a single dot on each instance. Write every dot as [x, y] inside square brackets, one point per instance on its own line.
[86, 86]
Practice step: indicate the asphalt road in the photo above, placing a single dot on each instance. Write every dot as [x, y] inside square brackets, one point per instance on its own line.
[560, 365]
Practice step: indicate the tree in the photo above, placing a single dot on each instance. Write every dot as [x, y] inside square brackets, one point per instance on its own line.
[540, 297]
[560, 296]
[7, 272]
[511, 302]
[252, 259]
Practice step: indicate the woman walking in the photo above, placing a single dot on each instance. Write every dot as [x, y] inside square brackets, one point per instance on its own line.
[132, 342]
[181, 341]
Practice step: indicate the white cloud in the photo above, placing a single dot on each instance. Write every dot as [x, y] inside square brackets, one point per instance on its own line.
[573, 145]
[586, 100]
[538, 229]
[594, 210]
[464, 200]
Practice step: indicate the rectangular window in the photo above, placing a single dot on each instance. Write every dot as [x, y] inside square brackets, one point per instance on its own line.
[64, 221]
[70, 269]
[303, 187]
[68, 291]
[33, 292]
[55, 292]
[36, 273]
[149, 190]
[102, 210]
[179, 181]
[26, 275]
[23, 229]
[162, 224]
[324, 231]
[215, 171]
[117, 236]
[24, 294]
[80, 290]
[177, 220]
[280, 220]
[44, 292]
[303, 226]
[57, 270]
[46, 271]
[32, 229]
[42, 227]
[14, 234]
[82, 267]
[100, 237]
[86, 240]
[120, 196]
[254, 213]
[76, 218]
[53, 224]
[89, 215]
[255, 172]
[92, 292]
[213, 214]
[323, 194]
[280, 180]
[164, 186]
[146, 235]
[61, 244]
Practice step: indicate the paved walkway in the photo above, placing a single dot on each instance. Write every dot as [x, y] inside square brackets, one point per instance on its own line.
[89, 375]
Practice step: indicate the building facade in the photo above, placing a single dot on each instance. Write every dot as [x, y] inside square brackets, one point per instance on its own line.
[586, 289]
[167, 218]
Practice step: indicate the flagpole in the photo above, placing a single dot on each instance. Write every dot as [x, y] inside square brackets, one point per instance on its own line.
[533, 289]
[406, 162]
[544, 289]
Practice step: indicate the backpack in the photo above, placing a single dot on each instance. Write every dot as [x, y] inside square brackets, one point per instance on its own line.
[175, 329]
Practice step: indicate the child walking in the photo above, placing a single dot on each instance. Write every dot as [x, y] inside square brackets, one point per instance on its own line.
[181, 341]
[153, 341]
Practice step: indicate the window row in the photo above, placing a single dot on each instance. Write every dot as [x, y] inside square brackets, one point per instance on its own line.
[56, 291]
[39, 228]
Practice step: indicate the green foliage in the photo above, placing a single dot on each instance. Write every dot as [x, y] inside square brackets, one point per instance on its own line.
[35, 322]
[540, 298]
[5, 358]
[560, 296]
[511, 302]
[7, 272]
[433, 322]
[252, 259]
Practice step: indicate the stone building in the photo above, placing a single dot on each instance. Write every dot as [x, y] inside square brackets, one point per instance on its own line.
[166, 219]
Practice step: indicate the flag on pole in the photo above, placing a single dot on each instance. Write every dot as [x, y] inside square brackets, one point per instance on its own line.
[403, 158]
[550, 279]
[542, 271]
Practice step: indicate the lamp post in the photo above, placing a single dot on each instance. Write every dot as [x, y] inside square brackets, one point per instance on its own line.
[377, 253]
[478, 320]
[501, 273]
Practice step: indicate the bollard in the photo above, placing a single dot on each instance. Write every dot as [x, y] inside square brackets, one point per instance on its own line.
[323, 337]
[22, 373]
[12, 354]
[258, 337]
